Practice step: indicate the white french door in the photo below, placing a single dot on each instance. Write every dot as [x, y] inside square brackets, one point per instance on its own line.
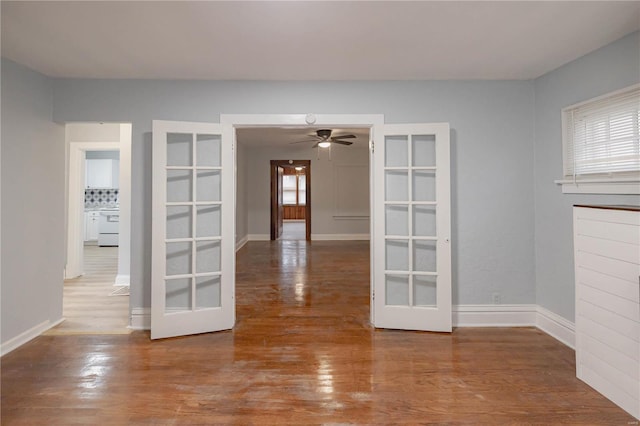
[412, 228]
[193, 257]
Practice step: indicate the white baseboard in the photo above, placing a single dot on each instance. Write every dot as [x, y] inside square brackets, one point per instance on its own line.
[494, 315]
[122, 280]
[28, 335]
[140, 319]
[259, 237]
[465, 316]
[556, 326]
[242, 242]
[339, 237]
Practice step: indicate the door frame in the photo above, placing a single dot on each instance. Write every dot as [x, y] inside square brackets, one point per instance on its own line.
[74, 266]
[274, 194]
[373, 122]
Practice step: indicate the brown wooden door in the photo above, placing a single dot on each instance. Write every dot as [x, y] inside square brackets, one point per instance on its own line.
[278, 210]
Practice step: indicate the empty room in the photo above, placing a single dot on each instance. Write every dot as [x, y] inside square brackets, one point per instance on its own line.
[327, 212]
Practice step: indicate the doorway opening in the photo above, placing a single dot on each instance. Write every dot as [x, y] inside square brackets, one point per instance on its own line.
[340, 209]
[409, 258]
[291, 200]
[96, 287]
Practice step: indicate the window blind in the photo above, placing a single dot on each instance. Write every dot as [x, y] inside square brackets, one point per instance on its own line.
[602, 136]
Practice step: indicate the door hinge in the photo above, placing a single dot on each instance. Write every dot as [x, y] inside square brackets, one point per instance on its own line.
[372, 144]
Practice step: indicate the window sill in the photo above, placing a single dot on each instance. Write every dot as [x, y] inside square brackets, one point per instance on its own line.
[621, 186]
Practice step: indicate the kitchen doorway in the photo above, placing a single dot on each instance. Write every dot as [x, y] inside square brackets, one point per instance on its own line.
[96, 287]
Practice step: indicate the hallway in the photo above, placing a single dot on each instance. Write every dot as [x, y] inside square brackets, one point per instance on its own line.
[302, 352]
[90, 305]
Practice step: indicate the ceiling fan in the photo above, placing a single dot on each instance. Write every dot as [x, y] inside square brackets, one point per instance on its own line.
[323, 139]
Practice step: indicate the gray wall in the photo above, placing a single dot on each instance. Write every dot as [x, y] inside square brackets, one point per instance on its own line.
[322, 187]
[610, 68]
[492, 156]
[32, 202]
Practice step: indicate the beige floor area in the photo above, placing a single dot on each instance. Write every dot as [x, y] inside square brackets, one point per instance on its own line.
[293, 230]
[88, 304]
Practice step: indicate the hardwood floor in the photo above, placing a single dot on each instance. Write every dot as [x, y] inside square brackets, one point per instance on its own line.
[88, 306]
[302, 352]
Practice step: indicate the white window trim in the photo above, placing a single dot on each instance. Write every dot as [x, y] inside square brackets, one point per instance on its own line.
[619, 186]
[622, 183]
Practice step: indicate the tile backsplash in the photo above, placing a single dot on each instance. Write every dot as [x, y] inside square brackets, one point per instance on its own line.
[102, 197]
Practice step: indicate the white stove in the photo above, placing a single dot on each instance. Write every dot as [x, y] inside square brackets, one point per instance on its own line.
[108, 227]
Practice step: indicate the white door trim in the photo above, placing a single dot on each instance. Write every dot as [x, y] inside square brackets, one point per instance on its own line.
[374, 122]
[75, 214]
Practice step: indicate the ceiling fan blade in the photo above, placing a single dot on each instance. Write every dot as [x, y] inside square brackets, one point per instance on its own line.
[343, 137]
[316, 145]
[342, 142]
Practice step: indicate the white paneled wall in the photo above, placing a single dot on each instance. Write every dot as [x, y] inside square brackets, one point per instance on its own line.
[607, 266]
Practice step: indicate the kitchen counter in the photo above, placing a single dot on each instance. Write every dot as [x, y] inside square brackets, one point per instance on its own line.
[101, 209]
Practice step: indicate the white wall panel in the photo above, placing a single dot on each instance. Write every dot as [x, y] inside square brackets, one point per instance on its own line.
[607, 280]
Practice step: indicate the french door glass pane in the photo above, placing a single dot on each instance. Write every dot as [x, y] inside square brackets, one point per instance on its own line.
[179, 185]
[208, 150]
[424, 256]
[423, 185]
[179, 149]
[424, 221]
[423, 152]
[424, 290]
[208, 221]
[397, 255]
[207, 256]
[179, 255]
[397, 290]
[207, 292]
[179, 221]
[396, 151]
[208, 185]
[178, 295]
[396, 186]
[396, 220]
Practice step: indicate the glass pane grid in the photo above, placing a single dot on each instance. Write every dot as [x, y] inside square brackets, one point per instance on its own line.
[193, 230]
[410, 264]
[411, 290]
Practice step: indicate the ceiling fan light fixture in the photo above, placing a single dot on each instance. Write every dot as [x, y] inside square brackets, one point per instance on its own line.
[324, 144]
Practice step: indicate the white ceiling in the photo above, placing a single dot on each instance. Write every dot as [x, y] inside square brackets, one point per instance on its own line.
[309, 40]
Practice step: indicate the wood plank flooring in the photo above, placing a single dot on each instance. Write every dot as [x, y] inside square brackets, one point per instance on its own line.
[302, 352]
[88, 306]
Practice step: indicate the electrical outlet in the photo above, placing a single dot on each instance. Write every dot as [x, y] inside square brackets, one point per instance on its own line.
[497, 299]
